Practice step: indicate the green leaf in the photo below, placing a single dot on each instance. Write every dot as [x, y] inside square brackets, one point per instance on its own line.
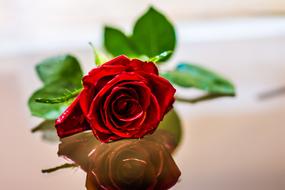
[52, 90]
[47, 130]
[63, 166]
[58, 68]
[190, 75]
[172, 124]
[117, 43]
[161, 57]
[61, 75]
[153, 33]
[69, 95]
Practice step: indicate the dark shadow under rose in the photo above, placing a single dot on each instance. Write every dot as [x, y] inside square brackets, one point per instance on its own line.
[122, 98]
[141, 164]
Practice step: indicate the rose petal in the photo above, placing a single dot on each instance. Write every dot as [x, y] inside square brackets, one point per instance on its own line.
[120, 60]
[147, 67]
[151, 120]
[131, 108]
[92, 85]
[162, 90]
[71, 120]
[143, 92]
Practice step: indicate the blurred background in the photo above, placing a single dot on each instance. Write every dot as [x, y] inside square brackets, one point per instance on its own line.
[235, 144]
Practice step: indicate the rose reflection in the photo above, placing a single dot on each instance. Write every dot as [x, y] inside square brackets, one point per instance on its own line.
[125, 164]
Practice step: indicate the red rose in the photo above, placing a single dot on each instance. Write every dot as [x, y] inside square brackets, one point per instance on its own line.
[123, 98]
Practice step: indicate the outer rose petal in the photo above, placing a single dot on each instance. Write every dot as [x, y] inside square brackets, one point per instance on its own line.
[163, 91]
[133, 65]
[71, 120]
[120, 60]
[105, 70]
[147, 67]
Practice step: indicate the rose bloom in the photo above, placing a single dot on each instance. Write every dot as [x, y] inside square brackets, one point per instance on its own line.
[122, 98]
[139, 164]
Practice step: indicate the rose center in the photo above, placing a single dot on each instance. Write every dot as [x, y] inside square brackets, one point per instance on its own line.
[127, 108]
